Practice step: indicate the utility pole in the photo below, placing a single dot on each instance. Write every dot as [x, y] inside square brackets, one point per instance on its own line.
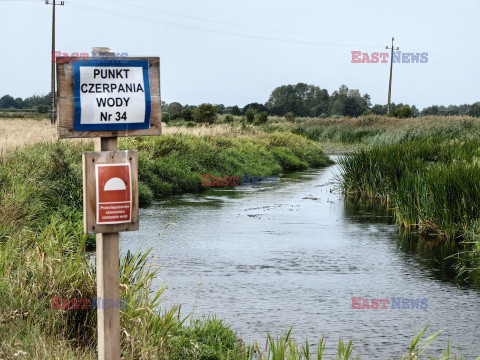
[52, 90]
[390, 82]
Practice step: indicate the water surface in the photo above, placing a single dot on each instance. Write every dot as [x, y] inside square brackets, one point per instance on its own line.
[267, 258]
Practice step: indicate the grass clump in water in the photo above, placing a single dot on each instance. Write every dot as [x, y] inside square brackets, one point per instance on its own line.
[432, 184]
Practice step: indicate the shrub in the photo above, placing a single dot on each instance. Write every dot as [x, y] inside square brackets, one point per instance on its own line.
[250, 116]
[261, 118]
[166, 118]
[290, 116]
[229, 119]
[145, 194]
[43, 109]
[402, 113]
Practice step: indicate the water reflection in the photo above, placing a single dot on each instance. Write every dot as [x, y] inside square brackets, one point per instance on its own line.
[266, 258]
[435, 255]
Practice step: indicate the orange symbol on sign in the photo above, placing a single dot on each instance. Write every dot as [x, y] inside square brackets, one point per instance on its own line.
[114, 195]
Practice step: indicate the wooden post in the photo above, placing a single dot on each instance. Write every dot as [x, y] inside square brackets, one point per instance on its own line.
[145, 119]
[390, 81]
[108, 287]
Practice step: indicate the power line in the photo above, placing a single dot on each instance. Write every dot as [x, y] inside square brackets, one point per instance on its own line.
[214, 31]
[441, 56]
[244, 26]
[457, 68]
[228, 33]
[453, 67]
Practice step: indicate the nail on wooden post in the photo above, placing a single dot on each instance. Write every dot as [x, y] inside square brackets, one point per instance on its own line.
[108, 287]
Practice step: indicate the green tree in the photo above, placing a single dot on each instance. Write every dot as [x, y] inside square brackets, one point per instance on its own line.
[175, 108]
[7, 102]
[301, 99]
[166, 117]
[415, 111]
[348, 102]
[431, 110]
[379, 109]
[236, 111]
[19, 103]
[228, 119]
[187, 113]
[32, 101]
[205, 113]
[255, 106]
[474, 110]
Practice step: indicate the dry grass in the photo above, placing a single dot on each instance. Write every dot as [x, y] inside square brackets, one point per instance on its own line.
[213, 130]
[380, 121]
[20, 132]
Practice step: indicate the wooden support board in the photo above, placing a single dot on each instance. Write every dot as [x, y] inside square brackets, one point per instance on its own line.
[66, 101]
[90, 198]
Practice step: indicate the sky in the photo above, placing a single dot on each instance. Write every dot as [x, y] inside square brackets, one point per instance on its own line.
[237, 52]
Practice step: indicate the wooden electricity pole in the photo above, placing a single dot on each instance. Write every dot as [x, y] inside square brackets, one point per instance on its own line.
[390, 82]
[52, 89]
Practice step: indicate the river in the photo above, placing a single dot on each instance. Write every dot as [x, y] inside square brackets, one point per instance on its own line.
[264, 258]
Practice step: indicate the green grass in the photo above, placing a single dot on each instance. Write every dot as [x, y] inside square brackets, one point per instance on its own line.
[373, 130]
[174, 164]
[22, 113]
[43, 251]
[45, 180]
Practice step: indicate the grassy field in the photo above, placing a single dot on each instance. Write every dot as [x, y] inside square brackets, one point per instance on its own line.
[374, 130]
[43, 252]
[20, 132]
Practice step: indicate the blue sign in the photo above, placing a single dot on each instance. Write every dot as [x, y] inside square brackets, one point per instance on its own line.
[111, 95]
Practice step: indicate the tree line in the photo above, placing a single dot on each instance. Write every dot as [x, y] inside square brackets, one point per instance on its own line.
[40, 103]
[300, 100]
[304, 100]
